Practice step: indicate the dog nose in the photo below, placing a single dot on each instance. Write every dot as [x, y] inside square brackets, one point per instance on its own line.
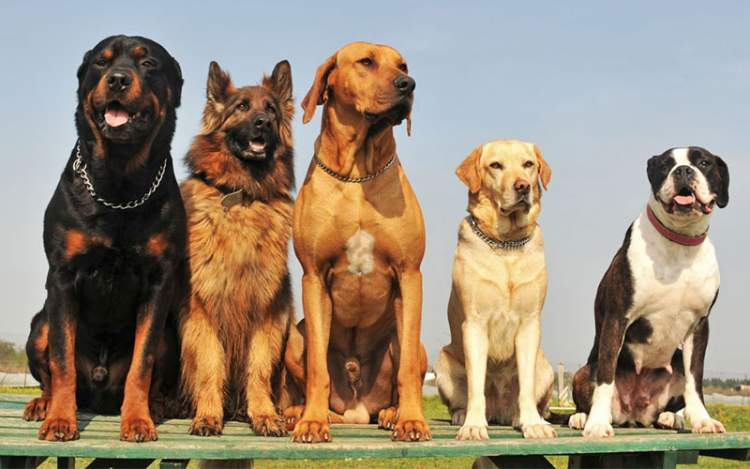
[118, 81]
[260, 121]
[684, 172]
[404, 84]
[522, 187]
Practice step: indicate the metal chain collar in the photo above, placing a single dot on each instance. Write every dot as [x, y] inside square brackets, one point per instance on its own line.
[80, 168]
[357, 180]
[495, 243]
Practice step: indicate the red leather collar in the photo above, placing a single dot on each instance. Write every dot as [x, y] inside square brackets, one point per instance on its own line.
[678, 238]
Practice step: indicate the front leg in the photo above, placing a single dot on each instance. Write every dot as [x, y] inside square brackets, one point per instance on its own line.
[411, 424]
[61, 307]
[693, 353]
[527, 350]
[136, 424]
[313, 426]
[612, 335]
[475, 353]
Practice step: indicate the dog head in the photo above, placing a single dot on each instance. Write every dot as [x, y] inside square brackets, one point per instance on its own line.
[364, 81]
[687, 182]
[250, 120]
[246, 137]
[510, 175]
[128, 90]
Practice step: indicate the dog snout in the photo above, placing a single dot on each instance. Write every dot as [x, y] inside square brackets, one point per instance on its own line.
[261, 121]
[683, 173]
[521, 187]
[118, 81]
[404, 84]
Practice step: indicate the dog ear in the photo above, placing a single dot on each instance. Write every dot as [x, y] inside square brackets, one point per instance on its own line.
[179, 81]
[318, 91]
[722, 198]
[545, 172]
[468, 170]
[219, 86]
[280, 83]
[81, 73]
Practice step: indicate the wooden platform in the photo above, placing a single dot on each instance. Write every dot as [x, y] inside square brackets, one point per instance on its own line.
[99, 439]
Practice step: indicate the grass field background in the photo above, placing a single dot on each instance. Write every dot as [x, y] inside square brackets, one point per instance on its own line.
[734, 418]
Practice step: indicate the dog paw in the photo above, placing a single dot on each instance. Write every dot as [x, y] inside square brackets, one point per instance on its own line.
[292, 415]
[594, 429]
[206, 425]
[411, 430]
[387, 418]
[472, 432]
[36, 409]
[708, 425]
[59, 429]
[538, 430]
[577, 421]
[311, 431]
[670, 421]
[138, 430]
[268, 425]
[458, 417]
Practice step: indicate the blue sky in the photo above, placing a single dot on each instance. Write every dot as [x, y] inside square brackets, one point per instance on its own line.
[599, 86]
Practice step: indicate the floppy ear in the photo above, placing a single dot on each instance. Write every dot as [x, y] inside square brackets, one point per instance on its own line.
[468, 170]
[81, 73]
[545, 172]
[219, 86]
[317, 93]
[177, 90]
[722, 198]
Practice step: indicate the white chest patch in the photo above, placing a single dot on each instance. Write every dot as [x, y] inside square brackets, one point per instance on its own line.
[359, 252]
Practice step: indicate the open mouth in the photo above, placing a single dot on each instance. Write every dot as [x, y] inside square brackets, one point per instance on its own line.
[257, 145]
[685, 201]
[116, 115]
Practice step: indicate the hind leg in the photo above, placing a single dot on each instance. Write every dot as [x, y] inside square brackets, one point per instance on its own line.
[583, 390]
[264, 356]
[203, 370]
[37, 353]
[451, 384]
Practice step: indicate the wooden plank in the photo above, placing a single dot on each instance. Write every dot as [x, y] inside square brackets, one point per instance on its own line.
[742, 454]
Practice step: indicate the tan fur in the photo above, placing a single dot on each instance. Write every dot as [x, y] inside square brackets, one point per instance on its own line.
[360, 246]
[494, 369]
[234, 332]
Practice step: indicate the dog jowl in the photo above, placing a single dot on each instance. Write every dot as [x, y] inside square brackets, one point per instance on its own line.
[114, 236]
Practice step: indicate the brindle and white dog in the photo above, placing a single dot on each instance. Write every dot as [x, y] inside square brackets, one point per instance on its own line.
[653, 303]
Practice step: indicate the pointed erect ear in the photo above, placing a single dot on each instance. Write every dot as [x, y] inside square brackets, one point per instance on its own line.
[545, 172]
[722, 197]
[468, 170]
[280, 81]
[317, 93]
[219, 86]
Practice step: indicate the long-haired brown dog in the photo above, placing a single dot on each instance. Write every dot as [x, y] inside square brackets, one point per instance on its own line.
[239, 206]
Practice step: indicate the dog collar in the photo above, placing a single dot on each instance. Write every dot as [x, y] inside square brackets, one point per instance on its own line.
[673, 236]
[80, 169]
[496, 243]
[357, 180]
[231, 196]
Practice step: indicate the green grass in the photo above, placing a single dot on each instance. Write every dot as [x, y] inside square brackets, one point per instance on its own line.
[734, 418]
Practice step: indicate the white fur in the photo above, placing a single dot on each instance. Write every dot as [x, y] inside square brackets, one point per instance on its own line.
[359, 252]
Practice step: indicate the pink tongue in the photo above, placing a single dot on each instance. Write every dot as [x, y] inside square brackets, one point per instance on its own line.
[115, 118]
[684, 199]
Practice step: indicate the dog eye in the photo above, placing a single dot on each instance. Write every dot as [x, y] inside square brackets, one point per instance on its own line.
[148, 63]
[244, 106]
[496, 165]
[403, 68]
[704, 164]
[528, 164]
[367, 62]
[270, 108]
[101, 62]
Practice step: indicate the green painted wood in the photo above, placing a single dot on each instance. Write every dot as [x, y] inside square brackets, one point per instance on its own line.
[99, 439]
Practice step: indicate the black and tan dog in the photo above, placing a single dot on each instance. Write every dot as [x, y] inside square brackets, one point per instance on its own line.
[239, 205]
[114, 235]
